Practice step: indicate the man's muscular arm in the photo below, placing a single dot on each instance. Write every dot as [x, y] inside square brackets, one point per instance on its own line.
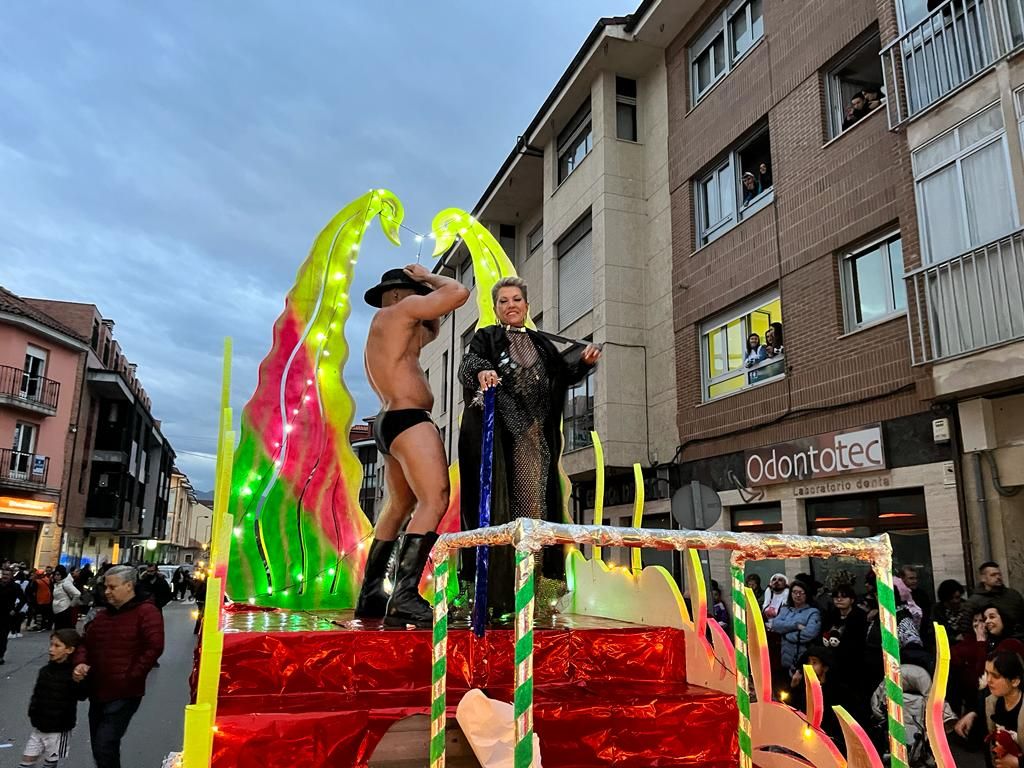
[447, 295]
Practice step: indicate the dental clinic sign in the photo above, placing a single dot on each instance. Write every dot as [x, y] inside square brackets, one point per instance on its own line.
[837, 453]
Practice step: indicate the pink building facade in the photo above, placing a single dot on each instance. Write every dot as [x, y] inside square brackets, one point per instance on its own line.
[42, 364]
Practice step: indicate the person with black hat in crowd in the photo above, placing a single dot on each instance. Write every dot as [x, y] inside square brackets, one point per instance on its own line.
[412, 302]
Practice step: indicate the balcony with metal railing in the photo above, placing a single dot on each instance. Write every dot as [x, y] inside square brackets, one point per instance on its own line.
[956, 43]
[23, 470]
[21, 389]
[969, 303]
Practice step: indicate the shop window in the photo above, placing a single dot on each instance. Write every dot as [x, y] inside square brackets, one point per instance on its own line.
[872, 279]
[578, 418]
[575, 273]
[722, 44]
[507, 240]
[965, 198]
[737, 186]
[853, 86]
[625, 108]
[901, 514]
[536, 238]
[575, 142]
[731, 360]
[759, 518]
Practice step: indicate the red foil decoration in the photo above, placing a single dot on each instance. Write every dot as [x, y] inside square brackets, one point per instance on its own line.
[603, 697]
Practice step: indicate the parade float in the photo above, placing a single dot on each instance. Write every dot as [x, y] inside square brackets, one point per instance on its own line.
[625, 674]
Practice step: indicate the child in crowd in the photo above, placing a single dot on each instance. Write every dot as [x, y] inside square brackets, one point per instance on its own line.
[53, 708]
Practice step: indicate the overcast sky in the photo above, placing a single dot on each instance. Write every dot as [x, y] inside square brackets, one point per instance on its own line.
[172, 162]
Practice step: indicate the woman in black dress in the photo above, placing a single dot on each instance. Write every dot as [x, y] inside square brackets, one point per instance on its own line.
[531, 379]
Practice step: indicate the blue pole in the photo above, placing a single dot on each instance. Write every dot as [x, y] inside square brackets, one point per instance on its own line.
[482, 553]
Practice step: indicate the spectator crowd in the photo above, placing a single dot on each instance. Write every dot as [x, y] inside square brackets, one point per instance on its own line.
[835, 629]
[107, 633]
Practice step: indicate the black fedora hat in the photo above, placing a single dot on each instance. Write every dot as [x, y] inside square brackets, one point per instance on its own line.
[393, 278]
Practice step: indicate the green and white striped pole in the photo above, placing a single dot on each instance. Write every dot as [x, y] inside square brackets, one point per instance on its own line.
[523, 701]
[739, 629]
[891, 655]
[439, 669]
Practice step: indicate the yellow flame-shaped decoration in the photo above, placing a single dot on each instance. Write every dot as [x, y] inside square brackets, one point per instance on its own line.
[490, 263]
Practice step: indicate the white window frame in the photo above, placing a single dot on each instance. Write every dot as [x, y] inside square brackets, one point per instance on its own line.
[901, 17]
[535, 239]
[833, 93]
[1018, 104]
[846, 272]
[730, 169]
[957, 159]
[30, 378]
[628, 101]
[721, 25]
[721, 320]
[444, 382]
[570, 416]
[20, 456]
[568, 145]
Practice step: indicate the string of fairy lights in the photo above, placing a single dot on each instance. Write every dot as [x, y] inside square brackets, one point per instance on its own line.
[291, 416]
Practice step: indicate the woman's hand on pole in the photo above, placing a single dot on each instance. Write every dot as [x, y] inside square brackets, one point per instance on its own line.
[591, 354]
[488, 379]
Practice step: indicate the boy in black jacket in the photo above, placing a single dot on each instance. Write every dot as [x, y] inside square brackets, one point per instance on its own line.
[53, 708]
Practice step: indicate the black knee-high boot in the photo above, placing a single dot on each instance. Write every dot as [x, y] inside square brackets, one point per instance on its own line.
[373, 600]
[406, 606]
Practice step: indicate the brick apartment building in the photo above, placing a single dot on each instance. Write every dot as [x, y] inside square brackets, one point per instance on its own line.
[108, 471]
[961, 113]
[817, 245]
[835, 241]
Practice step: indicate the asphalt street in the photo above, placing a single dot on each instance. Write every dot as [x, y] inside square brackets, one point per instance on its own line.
[156, 728]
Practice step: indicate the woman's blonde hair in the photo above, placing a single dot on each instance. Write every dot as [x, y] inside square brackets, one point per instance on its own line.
[509, 282]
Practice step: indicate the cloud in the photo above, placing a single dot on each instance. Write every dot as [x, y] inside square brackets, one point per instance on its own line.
[172, 163]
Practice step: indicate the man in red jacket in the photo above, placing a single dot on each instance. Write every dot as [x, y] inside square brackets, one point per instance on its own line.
[120, 646]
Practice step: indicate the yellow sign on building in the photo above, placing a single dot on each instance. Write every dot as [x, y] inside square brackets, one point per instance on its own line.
[11, 505]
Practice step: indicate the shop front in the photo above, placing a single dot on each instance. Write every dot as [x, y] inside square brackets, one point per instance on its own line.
[889, 478]
[27, 530]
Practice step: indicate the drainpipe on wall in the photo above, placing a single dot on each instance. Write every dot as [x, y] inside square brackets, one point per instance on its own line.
[979, 482]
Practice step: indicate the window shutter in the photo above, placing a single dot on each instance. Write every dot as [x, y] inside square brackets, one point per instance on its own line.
[575, 279]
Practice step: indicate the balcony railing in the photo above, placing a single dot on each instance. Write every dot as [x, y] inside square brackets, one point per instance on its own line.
[23, 468]
[968, 303]
[957, 42]
[20, 387]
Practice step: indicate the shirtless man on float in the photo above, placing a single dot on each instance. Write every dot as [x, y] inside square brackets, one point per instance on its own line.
[411, 301]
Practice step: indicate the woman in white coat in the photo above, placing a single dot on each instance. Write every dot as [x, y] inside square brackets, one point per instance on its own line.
[65, 597]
